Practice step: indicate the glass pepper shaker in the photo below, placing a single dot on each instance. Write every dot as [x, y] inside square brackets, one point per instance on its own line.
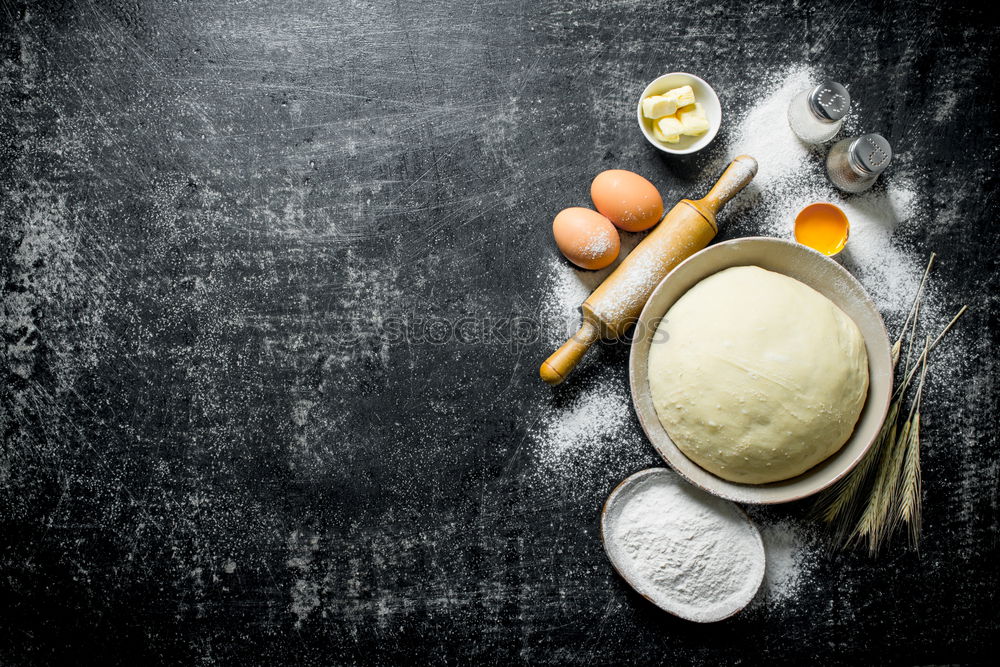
[854, 164]
[817, 114]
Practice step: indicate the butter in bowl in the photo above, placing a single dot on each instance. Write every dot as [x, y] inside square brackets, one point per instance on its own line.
[679, 113]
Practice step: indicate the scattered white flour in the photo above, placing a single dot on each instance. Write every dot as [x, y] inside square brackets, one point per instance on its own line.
[592, 416]
[693, 554]
[947, 103]
[591, 431]
[566, 288]
[764, 135]
[597, 245]
[305, 592]
[793, 553]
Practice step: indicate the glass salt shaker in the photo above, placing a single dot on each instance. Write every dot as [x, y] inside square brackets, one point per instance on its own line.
[854, 164]
[816, 115]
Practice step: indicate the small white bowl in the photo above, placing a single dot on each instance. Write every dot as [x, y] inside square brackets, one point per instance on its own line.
[703, 93]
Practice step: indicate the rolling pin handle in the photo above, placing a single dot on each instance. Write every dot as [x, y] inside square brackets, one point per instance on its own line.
[737, 176]
[562, 362]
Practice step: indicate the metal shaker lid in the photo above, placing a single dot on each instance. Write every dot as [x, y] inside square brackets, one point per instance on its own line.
[829, 101]
[871, 152]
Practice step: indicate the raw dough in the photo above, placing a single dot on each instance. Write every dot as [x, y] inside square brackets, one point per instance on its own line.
[756, 376]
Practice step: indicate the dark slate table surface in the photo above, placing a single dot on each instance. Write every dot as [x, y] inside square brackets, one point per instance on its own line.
[213, 450]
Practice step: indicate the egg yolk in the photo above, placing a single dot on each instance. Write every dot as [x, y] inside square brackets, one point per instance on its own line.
[822, 227]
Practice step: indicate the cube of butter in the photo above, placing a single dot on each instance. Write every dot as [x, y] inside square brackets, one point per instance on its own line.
[670, 128]
[683, 95]
[662, 137]
[693, 120]
[658, 106]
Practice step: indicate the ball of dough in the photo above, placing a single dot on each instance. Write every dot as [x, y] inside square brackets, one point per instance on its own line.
[756, 376]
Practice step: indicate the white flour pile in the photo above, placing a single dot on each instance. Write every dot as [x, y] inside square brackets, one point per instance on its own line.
[691, 553]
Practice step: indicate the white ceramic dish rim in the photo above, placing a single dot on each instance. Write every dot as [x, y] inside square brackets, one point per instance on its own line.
[631, 480]
[704, 140]
[764, 494]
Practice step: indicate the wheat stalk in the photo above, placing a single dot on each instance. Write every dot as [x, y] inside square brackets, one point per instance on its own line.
[840, 499]
[911, 484]
[878, 518]
[890, 471]
[871, 525]
[912, 314]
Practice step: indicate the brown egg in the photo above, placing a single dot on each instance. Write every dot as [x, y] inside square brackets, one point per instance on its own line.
[627, 199]
[586, 237]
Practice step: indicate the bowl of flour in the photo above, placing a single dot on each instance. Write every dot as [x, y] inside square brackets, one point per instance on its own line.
[690, 553]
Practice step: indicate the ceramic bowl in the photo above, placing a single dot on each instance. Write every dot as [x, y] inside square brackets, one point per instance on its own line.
[703, 93]
[663, 599]
[829, 279]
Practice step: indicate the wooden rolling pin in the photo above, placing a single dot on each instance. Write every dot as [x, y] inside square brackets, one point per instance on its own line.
[616, 303]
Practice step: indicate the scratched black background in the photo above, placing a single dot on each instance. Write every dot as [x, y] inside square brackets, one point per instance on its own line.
[198, 466]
